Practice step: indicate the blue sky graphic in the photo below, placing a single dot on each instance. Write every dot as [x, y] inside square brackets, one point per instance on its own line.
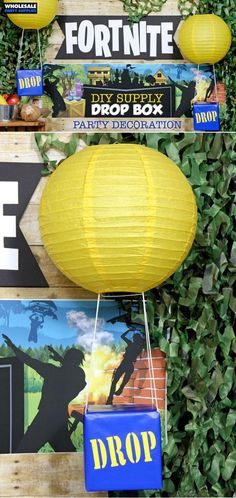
[177, 72]
[59, 332]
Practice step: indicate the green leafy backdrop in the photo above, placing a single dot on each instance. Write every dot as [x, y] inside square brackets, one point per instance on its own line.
[196, 307]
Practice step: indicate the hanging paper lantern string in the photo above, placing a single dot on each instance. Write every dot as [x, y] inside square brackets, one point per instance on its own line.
[206, 115]
[30, 15]
[118, 218]
[205, 39]
[29, 81]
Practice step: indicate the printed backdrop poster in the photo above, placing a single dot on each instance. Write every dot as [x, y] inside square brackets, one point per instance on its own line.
[126, 96]
[45, 353]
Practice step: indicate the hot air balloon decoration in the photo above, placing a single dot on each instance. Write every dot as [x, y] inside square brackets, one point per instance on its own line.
[30, 16]
[119, 218]
[205, 39]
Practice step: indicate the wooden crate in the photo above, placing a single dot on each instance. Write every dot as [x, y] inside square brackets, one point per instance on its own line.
[76, 109]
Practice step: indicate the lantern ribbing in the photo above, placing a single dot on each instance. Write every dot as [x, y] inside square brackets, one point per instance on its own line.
[118, 218]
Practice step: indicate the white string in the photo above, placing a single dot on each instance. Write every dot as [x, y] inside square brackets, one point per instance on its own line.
[149, 356]
[92, 351]
[40, 51]
[20, 50]
[166, 417]
[198, 78]
[215, 81]
[150, 363]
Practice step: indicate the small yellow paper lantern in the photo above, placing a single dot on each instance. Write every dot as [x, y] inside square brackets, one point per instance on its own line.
[204, 39]
[46, 11]
[118, 218]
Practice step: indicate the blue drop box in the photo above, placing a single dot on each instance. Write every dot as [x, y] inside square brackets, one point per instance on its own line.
[29, 82]
[206, 117]
[122, 448]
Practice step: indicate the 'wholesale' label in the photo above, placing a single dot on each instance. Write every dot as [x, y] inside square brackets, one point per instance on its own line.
[21, 8]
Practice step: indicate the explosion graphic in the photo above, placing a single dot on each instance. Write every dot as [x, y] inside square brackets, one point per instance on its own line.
[101, 358]
[99, 367]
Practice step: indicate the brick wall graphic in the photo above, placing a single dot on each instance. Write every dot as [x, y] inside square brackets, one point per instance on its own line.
[138, 390]
[221, 92]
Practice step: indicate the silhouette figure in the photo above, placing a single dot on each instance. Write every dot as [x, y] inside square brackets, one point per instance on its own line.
[50, 88]
[126, 368]
[78, 417]
[36, 324]
[135, 80]
[127, 315]
[61, 385]
[150, 80]
[40, 309]
[125, 76]
[210, 89]
[54, 355]
[188, 94]
[117, 77]
[141, 80]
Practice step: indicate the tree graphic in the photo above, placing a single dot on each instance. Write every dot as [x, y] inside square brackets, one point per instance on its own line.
[8, 307]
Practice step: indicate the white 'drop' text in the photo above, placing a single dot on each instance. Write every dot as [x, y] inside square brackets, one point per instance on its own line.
[9, 258]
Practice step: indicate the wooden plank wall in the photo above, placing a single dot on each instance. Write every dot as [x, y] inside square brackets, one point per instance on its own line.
[43, 475]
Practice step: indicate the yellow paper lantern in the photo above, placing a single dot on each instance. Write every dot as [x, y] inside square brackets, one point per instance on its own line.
[204, 39]
[118, 218]
[46, 11]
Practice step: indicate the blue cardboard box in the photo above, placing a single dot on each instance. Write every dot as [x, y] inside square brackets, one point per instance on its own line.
[206, 117]
[122, 448]
[29, 82]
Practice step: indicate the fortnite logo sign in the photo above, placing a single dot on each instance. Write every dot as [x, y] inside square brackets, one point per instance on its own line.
[18, 267]
[99, 37]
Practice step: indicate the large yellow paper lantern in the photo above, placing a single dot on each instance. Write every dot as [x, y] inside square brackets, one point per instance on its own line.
[118, 218]
[46, 11]
[204, 39]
